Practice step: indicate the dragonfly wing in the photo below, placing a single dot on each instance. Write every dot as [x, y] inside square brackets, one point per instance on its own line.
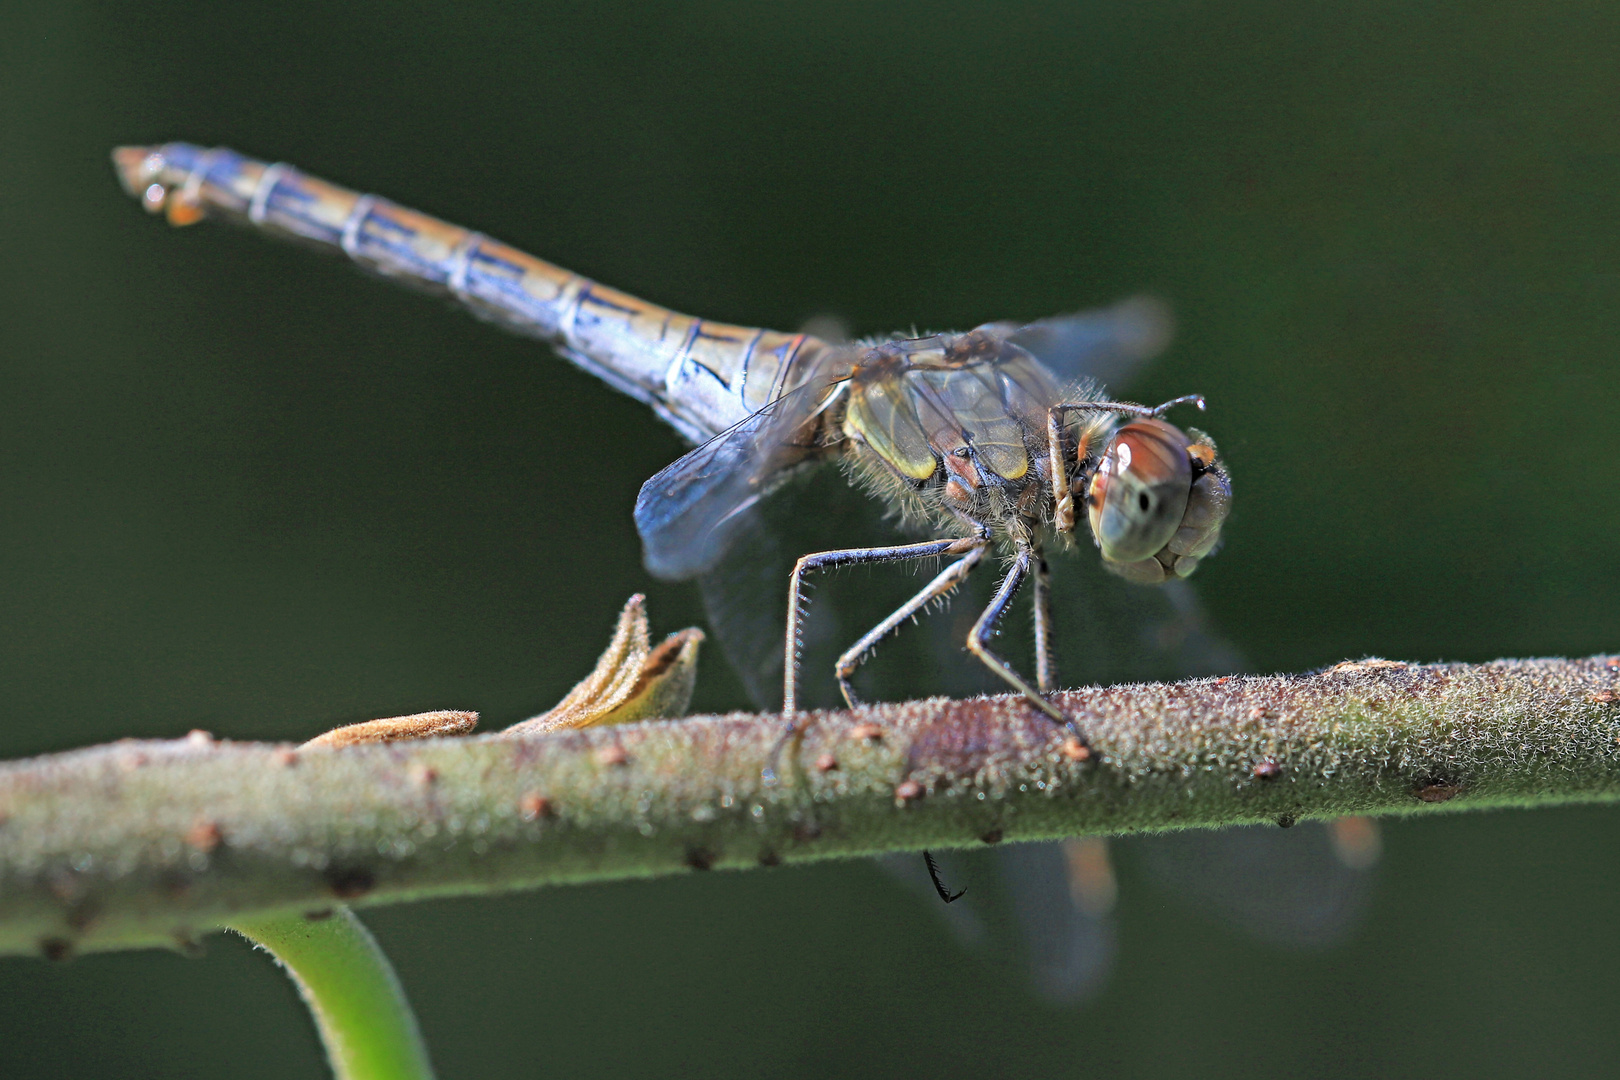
[1104, 345]
[882, 411]
[1290, 888]
[972, 396]
[745, 592]
[745, 600]
[1031, 927]
[1068, 949]
[690, 513]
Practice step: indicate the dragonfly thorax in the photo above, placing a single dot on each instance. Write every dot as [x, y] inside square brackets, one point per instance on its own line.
[970, 429]
[953, 427]
[1155, 496]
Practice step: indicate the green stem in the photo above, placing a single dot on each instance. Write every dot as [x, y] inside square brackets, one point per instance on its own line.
[359, 1007]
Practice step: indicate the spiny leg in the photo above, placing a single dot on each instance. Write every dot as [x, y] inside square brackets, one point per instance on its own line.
[979, 638]
[1045, 667]
[1045, 673]
[798, 607]
[948, 579]
[1062, 490]
[1125, 408]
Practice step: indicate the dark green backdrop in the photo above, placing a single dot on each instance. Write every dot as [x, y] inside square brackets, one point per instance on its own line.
[247, 489]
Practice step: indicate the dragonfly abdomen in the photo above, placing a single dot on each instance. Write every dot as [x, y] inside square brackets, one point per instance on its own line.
[700, 376]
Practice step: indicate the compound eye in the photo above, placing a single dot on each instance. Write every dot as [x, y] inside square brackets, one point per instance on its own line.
[1139, 494]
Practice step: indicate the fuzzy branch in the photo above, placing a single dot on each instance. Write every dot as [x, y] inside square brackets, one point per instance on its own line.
[150, 843]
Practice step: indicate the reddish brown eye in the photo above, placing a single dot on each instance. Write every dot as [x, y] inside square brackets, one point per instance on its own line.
[1140, 491]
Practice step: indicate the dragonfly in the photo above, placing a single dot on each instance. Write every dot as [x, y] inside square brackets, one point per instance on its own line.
[990, 439]
[998, 436]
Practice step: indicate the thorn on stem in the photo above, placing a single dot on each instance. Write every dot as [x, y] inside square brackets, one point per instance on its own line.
[204, 836]
[534, 806]
[1075, 750]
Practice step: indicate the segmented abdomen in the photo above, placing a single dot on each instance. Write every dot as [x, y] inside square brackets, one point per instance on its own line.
[700, 376]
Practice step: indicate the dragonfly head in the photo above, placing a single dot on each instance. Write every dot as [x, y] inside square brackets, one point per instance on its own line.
[1157, 501]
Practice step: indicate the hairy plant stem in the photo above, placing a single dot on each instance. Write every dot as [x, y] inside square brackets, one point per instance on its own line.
[150, 843]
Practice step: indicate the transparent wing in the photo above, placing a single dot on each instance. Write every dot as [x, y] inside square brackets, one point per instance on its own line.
[1106, 345]
[883, 412]
[690, 513]
[972, 397]
[1304, 887]
[1025, 912]
[744, 600]
[745, 592]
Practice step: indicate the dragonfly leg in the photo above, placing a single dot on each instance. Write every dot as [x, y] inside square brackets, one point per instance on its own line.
[979, 639]
[798, 608]
[1125, 408]
[1045, 673]
[1062, 491]
[948, 579]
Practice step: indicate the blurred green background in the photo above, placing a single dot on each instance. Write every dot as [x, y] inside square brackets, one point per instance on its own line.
[247, 489]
